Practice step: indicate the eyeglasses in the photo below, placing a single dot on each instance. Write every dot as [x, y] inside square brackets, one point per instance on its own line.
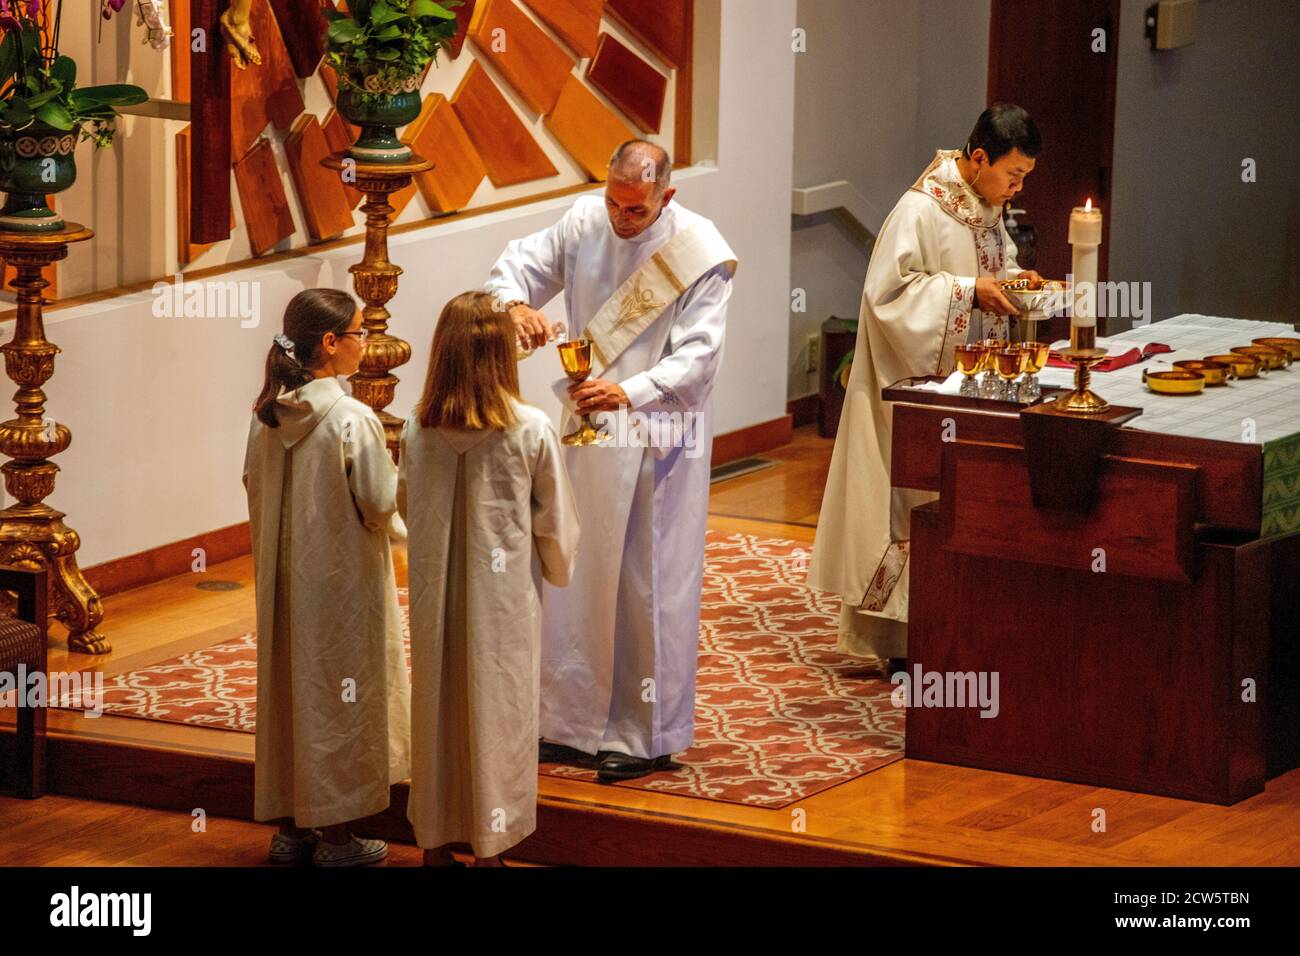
[361, 336]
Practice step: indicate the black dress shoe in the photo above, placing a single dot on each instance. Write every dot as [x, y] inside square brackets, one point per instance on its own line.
[895, 665]
[548, 752]
[615, 767]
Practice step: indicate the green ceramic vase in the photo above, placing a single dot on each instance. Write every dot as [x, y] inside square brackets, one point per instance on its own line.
[379, 115]
[35, 163]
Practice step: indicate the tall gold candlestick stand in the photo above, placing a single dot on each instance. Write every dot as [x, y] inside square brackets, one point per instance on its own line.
[375, 281]
[1084, 354]
[32, 534]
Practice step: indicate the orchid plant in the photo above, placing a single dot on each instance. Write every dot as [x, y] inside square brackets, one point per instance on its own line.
[39, 86]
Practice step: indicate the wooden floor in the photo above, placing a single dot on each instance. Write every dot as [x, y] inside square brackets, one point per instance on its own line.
[909, 811]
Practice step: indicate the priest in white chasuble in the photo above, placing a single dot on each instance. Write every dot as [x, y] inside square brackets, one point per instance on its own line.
[932, 283]
[648, 283]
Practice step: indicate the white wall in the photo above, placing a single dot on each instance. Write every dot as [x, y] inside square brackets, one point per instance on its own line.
[1181, 218]
[883, 84]
[159, 407]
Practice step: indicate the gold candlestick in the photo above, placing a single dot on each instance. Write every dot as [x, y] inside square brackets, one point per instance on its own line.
[1083, 352]
[32, 534]
[375, 280]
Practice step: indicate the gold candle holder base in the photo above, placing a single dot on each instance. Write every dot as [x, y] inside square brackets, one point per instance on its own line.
[1084, 354]
[32, 534]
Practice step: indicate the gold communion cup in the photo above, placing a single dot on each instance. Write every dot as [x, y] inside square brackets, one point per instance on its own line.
[1036, 354]
[575, 356]
[969, 360]
[1010, 363]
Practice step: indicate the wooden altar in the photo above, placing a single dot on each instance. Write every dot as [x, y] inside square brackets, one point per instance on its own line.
[1145, 633]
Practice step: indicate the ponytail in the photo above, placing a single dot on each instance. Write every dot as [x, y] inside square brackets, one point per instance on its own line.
[290, 363]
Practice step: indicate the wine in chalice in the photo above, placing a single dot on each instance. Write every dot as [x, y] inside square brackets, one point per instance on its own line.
[575, 356]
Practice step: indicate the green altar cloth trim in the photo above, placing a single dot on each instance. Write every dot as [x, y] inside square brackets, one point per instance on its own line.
[1281, 511]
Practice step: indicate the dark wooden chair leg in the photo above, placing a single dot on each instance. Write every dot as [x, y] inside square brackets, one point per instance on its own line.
[31, 587]
[29, 762]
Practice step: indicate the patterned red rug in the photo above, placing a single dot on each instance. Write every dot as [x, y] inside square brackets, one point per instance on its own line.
[779, 714]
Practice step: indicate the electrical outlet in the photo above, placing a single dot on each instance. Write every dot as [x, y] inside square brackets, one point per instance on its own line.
[814, 352]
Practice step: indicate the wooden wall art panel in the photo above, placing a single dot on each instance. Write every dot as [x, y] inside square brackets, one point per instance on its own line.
[326, 208]
[481, 131]
[262, 199]
[507, 148]
[530, 61]
[665, 27]
[457, 167]
[464, 14]
[576, 22]
[302, 25]
[631, 84]
[587, 128]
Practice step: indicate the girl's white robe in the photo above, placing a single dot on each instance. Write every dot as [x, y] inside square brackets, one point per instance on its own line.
[332, 692]
[490, 514]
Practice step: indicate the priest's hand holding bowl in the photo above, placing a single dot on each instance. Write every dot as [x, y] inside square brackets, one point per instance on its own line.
[990, 298]
[597, 395]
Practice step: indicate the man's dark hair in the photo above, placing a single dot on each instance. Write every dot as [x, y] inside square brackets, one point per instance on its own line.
[1000, 129]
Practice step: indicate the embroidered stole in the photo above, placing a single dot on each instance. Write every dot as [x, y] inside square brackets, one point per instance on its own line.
[652, 288]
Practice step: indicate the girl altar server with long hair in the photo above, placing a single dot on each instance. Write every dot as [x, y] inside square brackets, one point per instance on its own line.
[490, 514]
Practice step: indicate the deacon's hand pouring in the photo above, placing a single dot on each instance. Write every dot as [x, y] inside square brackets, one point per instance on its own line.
[531, 326]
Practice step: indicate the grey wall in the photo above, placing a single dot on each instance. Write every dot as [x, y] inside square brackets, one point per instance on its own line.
[1181, 218]
[883, 84]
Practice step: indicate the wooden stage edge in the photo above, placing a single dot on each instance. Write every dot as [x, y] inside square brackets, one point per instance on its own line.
[570, 832]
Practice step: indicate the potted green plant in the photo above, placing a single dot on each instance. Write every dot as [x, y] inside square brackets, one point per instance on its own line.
[380, 50]
[43, 114]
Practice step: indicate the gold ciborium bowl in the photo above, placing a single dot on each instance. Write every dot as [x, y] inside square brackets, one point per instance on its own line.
[1174, 383]
[1269, 358]
[1243, 366]
[1289, 345]
[1216, 373]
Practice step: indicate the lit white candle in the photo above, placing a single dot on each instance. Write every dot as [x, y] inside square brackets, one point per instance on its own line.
[1085, 238]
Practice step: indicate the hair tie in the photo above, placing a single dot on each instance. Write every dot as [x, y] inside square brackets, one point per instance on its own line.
[284, 341]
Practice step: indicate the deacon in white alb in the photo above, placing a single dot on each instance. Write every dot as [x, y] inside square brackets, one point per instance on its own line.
[932, 283]
[648, 282]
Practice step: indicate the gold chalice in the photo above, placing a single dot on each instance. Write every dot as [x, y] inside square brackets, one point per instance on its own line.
[989, 384]
[576, 358]
[1035, 358]
[969, 360]
[1011, 362]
